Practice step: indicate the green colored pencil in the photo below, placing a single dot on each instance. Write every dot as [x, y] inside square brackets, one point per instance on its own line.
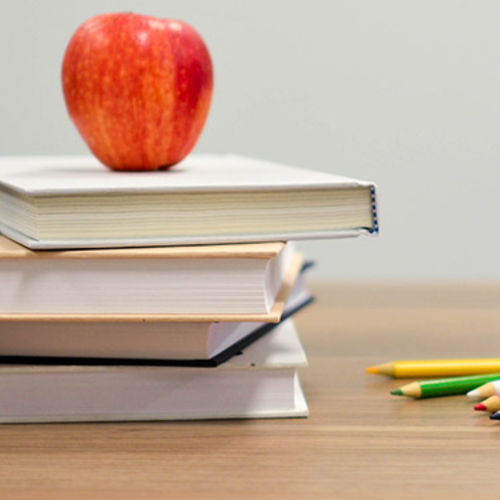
[444, 386]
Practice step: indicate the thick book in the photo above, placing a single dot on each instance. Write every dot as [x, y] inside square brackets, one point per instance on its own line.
[74, 202]
[263, 382]
[239, 282]
[151, 343]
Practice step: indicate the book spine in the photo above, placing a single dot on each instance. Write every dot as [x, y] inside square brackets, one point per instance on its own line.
[375, 229]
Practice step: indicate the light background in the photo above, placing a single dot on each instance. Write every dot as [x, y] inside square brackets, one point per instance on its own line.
[402, 93]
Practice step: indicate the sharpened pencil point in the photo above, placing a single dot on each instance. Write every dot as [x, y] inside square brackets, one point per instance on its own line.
[495, 416]
[474, 394]
[385, 369]
[480, 407]
[397, 392]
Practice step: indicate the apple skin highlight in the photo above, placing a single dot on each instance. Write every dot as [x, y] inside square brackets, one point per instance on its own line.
[138, 89]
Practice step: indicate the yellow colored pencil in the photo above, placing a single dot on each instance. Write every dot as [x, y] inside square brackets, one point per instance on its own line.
[437, 368]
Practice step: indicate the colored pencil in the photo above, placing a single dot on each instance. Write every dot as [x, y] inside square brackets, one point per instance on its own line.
[492, 404]
[444, 386]
[436, 368]
[485, 391]
[495, 416]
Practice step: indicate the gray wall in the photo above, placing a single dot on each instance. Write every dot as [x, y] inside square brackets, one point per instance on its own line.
[402, 93]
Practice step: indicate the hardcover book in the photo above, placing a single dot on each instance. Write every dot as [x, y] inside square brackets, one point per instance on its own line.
[263, 382]
[74, 202]
[239, 282]
[139, 342]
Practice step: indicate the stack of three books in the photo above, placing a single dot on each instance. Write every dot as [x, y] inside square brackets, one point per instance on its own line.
[160, 296]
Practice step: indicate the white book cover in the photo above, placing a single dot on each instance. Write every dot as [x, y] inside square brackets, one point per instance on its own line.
[66, 175]
[75, 202]
[261, 383]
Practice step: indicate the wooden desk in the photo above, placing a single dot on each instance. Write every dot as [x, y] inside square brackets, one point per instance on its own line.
[358, 443]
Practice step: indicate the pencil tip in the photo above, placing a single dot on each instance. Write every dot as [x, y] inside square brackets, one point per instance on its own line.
[480, 407]
[371, 369]
[397, 392]
[495, 416]
[473, 394]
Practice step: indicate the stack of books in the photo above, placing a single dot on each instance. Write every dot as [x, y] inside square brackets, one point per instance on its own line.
[159, 296]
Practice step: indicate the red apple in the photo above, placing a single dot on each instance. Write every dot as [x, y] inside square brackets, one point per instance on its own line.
[138, 89]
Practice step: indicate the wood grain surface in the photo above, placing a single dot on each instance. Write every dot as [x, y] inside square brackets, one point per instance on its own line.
[358, 443]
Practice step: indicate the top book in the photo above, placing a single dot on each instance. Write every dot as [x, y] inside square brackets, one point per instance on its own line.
[74, 202]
